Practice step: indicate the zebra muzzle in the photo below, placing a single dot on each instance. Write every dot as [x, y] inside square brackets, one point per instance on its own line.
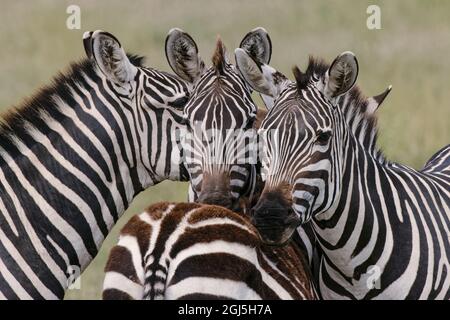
[223, 199]
[275, 224]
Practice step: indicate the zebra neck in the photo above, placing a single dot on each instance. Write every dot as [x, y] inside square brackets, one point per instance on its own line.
[67, 174]
[384, 238]
[358, 224]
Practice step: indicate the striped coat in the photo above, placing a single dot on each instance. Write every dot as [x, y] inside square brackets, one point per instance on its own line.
[73, 157]
[382, 227]
[194, 251]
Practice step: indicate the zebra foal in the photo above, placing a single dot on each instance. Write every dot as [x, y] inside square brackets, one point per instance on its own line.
[198, 251]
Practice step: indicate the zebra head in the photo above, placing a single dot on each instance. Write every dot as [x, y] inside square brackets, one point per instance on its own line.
[152, 102]
[303, 142]
[219, 117]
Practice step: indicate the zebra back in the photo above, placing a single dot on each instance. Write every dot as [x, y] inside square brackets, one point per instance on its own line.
[187, 250]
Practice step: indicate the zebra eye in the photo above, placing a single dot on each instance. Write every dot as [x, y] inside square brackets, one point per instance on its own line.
[323, 137]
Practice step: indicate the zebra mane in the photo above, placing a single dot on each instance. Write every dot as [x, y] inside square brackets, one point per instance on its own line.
[219, 57]
[32, 110]
[354, 105]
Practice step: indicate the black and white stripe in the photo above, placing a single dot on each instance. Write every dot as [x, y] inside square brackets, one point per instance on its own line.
[73, 157]
[383, 228]
[359, 113]
[193, 251]
[219, 117]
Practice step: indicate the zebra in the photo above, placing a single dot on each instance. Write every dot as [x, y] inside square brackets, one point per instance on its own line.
[359, 112]
[72, 158]
[382, 227]
[219, 118]
[198, 251]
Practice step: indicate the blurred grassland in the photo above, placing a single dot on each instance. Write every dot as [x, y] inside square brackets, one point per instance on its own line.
[411, 52]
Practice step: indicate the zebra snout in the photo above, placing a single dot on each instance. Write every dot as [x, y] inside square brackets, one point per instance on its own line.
[269, 215]
[218, 198]
[275, 222]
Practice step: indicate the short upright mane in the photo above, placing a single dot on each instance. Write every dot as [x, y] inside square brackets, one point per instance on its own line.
[354, 106]
[31, 110]
[218, 58]
[316, 68]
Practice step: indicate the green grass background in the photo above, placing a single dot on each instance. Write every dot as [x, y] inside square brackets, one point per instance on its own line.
[411, 52]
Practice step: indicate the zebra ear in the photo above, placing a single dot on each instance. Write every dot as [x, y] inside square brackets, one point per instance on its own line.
[261, 77]
[341, 76]
[110, 57]
[258, 45]
[373, 103]
[87, 38]
[182, 55]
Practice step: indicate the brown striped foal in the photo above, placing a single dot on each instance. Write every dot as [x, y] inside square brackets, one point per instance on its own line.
[197, 251]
